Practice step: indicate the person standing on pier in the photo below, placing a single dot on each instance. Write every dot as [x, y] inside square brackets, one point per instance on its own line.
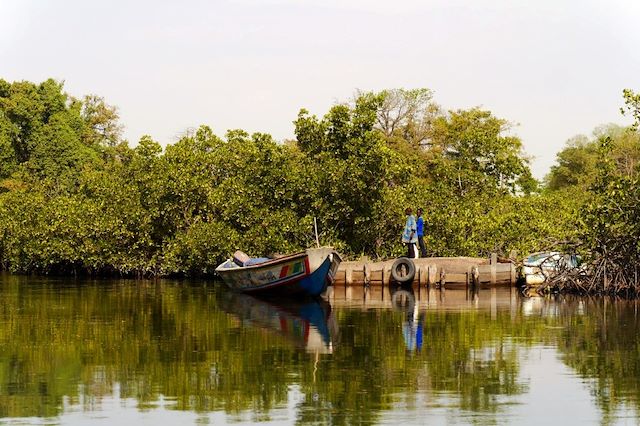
[420, 232]
[409, 236]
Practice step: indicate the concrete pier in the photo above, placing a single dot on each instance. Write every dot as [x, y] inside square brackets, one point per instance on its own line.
[431, 271]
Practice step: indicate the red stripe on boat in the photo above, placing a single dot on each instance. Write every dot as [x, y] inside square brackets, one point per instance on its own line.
[283, 271]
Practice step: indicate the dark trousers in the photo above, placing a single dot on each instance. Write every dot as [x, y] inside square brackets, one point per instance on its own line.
[423, 248]
[410, 253]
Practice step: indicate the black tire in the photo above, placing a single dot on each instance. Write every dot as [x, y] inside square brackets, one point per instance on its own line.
[403, 270]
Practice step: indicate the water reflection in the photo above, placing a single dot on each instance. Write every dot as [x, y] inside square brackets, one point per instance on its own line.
[171, 352]
[307, 323]
[403, 300]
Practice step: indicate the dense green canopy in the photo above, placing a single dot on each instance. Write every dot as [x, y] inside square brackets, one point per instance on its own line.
[75, 197]
[607, 168]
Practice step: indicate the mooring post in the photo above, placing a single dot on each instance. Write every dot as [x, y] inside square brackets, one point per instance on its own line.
[475, 273]
[432, 272]
[494, 262]
[423, 277]
[386, 270]
[315, 228]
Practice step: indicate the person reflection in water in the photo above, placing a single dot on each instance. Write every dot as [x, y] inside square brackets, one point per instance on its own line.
[412, 332]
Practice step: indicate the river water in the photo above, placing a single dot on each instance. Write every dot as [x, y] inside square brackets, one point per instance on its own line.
[171, 352]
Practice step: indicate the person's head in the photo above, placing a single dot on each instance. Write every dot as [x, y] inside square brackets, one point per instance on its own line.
[408, 211]
[419, 212]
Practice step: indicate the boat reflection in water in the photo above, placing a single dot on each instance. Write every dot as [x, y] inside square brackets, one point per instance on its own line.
[308, 323]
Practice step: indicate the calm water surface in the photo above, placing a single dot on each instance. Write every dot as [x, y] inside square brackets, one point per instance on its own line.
[164, 353]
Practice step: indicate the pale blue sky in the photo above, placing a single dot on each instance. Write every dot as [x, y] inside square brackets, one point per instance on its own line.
[557, 68]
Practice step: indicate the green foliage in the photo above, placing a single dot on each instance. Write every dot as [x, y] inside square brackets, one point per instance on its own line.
[406, 117]
[49, 135]
[474, 153]
[100, 121]
[632, 106]
[607, 169]
[613, 215]
[75, 198]
[349, 161]
[577, 164]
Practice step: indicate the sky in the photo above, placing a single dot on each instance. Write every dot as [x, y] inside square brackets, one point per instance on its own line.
[553, 68]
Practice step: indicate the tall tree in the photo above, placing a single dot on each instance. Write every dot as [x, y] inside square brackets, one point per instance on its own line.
[350, 160]
[101, 120]
[577, 163]
[476, 153]
[49, 133]
[407, 115]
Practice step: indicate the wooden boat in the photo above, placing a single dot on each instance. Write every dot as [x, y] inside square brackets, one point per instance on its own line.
[308, 272]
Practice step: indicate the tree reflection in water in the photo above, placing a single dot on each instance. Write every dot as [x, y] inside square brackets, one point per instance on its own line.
[202, 349]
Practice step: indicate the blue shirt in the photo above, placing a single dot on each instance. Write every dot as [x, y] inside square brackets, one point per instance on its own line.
[420, 227]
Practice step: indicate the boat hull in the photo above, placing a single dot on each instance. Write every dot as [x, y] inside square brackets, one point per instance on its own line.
[308, 273]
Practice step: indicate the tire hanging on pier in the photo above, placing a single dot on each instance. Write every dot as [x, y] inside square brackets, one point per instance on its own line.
[403, 270]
